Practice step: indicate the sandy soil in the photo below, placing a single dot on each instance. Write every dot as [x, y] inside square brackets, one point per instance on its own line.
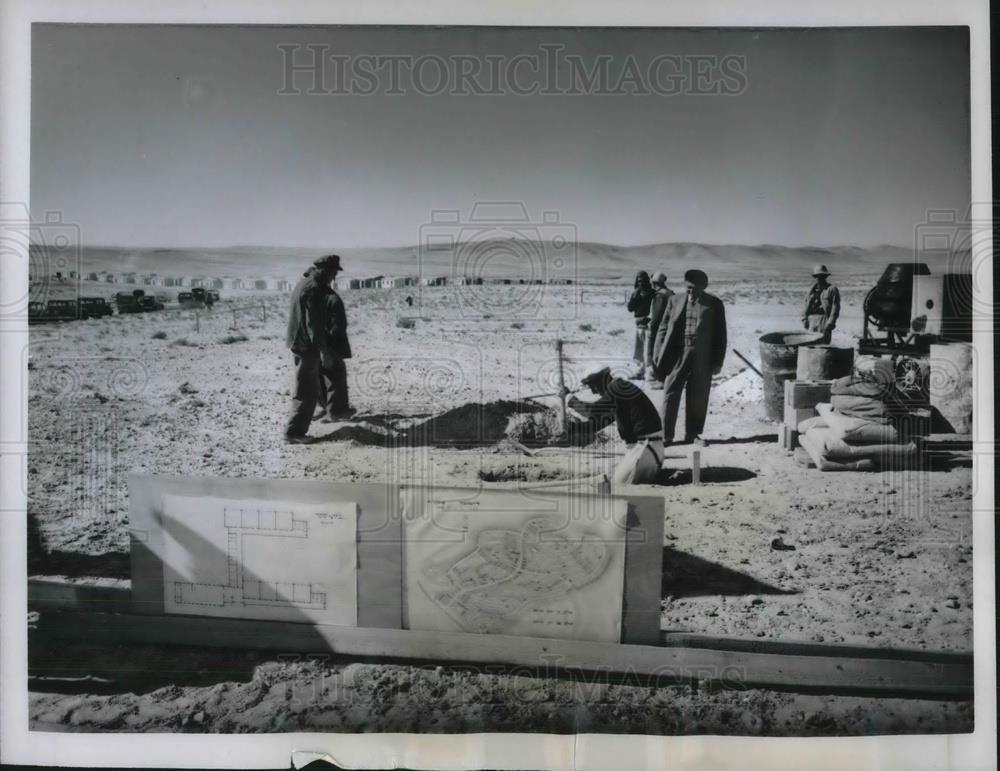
[881, 559]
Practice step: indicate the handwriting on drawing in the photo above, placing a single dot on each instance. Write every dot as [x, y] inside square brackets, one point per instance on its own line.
[328, 517]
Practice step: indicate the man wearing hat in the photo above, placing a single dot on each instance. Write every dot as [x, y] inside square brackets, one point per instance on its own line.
[656, 309]
[637, 420]
[822, 305]
[690, 347]
[317, 338]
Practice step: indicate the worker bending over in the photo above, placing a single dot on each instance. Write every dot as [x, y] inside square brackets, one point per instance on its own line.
[637, 420]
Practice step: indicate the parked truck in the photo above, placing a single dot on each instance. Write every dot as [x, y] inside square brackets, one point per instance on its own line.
[136, 301]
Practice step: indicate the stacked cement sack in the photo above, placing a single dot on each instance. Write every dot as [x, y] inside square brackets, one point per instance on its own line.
[865, 426]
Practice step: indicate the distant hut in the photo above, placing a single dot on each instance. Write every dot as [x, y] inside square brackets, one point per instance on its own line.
[283, 285]
[93, 276]
[217, 283]
[434, 281]
[259, 283]
[393, 282]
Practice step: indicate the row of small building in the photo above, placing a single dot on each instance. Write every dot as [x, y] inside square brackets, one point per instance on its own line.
[284, 284]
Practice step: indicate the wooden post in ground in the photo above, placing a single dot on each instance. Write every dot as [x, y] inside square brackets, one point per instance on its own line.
[696, 467]
[263, 309]
[562, 389]
[197, 322]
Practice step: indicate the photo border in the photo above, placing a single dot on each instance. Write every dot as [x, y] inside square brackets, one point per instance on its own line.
[540, 751]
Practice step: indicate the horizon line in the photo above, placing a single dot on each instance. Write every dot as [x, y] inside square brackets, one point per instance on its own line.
[328, 249]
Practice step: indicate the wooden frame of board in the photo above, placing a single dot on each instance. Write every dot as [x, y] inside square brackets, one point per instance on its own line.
[380, 543]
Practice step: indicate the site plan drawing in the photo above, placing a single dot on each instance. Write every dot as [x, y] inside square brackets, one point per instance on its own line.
[277, 560]
[507, 564]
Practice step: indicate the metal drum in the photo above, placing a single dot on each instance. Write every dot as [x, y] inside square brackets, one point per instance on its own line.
[779, 353]
[824, 362]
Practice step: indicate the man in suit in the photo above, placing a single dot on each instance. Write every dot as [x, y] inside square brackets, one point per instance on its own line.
[690, 347]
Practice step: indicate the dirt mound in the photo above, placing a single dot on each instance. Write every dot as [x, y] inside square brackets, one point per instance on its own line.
[536, 428]
[471, 424]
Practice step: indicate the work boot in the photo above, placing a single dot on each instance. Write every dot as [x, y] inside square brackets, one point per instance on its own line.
[298, 439]
[342, 414]
[697, 441]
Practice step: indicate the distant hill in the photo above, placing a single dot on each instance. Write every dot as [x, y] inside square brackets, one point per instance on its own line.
[508, 257]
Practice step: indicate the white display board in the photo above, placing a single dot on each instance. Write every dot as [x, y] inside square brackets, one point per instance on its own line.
[260, 559]
[505, 563]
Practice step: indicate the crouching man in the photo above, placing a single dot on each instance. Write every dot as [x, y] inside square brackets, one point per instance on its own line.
[638, 425]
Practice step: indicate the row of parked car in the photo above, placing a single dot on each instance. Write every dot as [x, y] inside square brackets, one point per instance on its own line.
[136, 301]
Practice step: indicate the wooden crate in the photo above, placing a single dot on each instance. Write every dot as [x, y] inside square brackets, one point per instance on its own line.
[806, 393]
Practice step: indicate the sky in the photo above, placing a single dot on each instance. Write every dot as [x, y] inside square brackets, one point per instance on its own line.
[180, 136]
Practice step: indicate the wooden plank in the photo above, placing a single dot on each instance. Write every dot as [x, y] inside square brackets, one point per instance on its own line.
[795, 415]
[806, 393]
[380, 601]
[60, 595]
[945, 677]
[643, 570]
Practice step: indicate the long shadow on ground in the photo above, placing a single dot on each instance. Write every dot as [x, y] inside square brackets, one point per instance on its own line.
[685, 575]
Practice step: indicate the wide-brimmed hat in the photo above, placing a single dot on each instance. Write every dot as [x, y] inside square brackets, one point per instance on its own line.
[820, 270]
[660, 279]
[697, 277]
[328, 262]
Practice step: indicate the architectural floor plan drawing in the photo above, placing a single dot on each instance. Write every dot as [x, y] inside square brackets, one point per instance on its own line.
[261, 559]
[244, 588]
[495, 566]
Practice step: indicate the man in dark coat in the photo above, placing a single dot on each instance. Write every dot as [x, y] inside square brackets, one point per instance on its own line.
[638, 303]
[317, 338]
[690, 347]
[637, 420]
[656, 308]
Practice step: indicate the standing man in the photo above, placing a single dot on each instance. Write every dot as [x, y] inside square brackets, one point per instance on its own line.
[317, 338]
[656, 308]
[638, 424]
[822, 305]
[638, 303]
[690, 347]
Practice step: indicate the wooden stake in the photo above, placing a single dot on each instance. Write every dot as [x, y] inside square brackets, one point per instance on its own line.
[562, 389]
[696, 467]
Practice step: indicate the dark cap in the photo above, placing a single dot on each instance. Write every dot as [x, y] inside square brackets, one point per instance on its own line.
[595, 375]
[696, 277]
[328, 262]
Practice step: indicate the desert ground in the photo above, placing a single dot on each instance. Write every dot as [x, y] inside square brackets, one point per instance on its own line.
[881, 559]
